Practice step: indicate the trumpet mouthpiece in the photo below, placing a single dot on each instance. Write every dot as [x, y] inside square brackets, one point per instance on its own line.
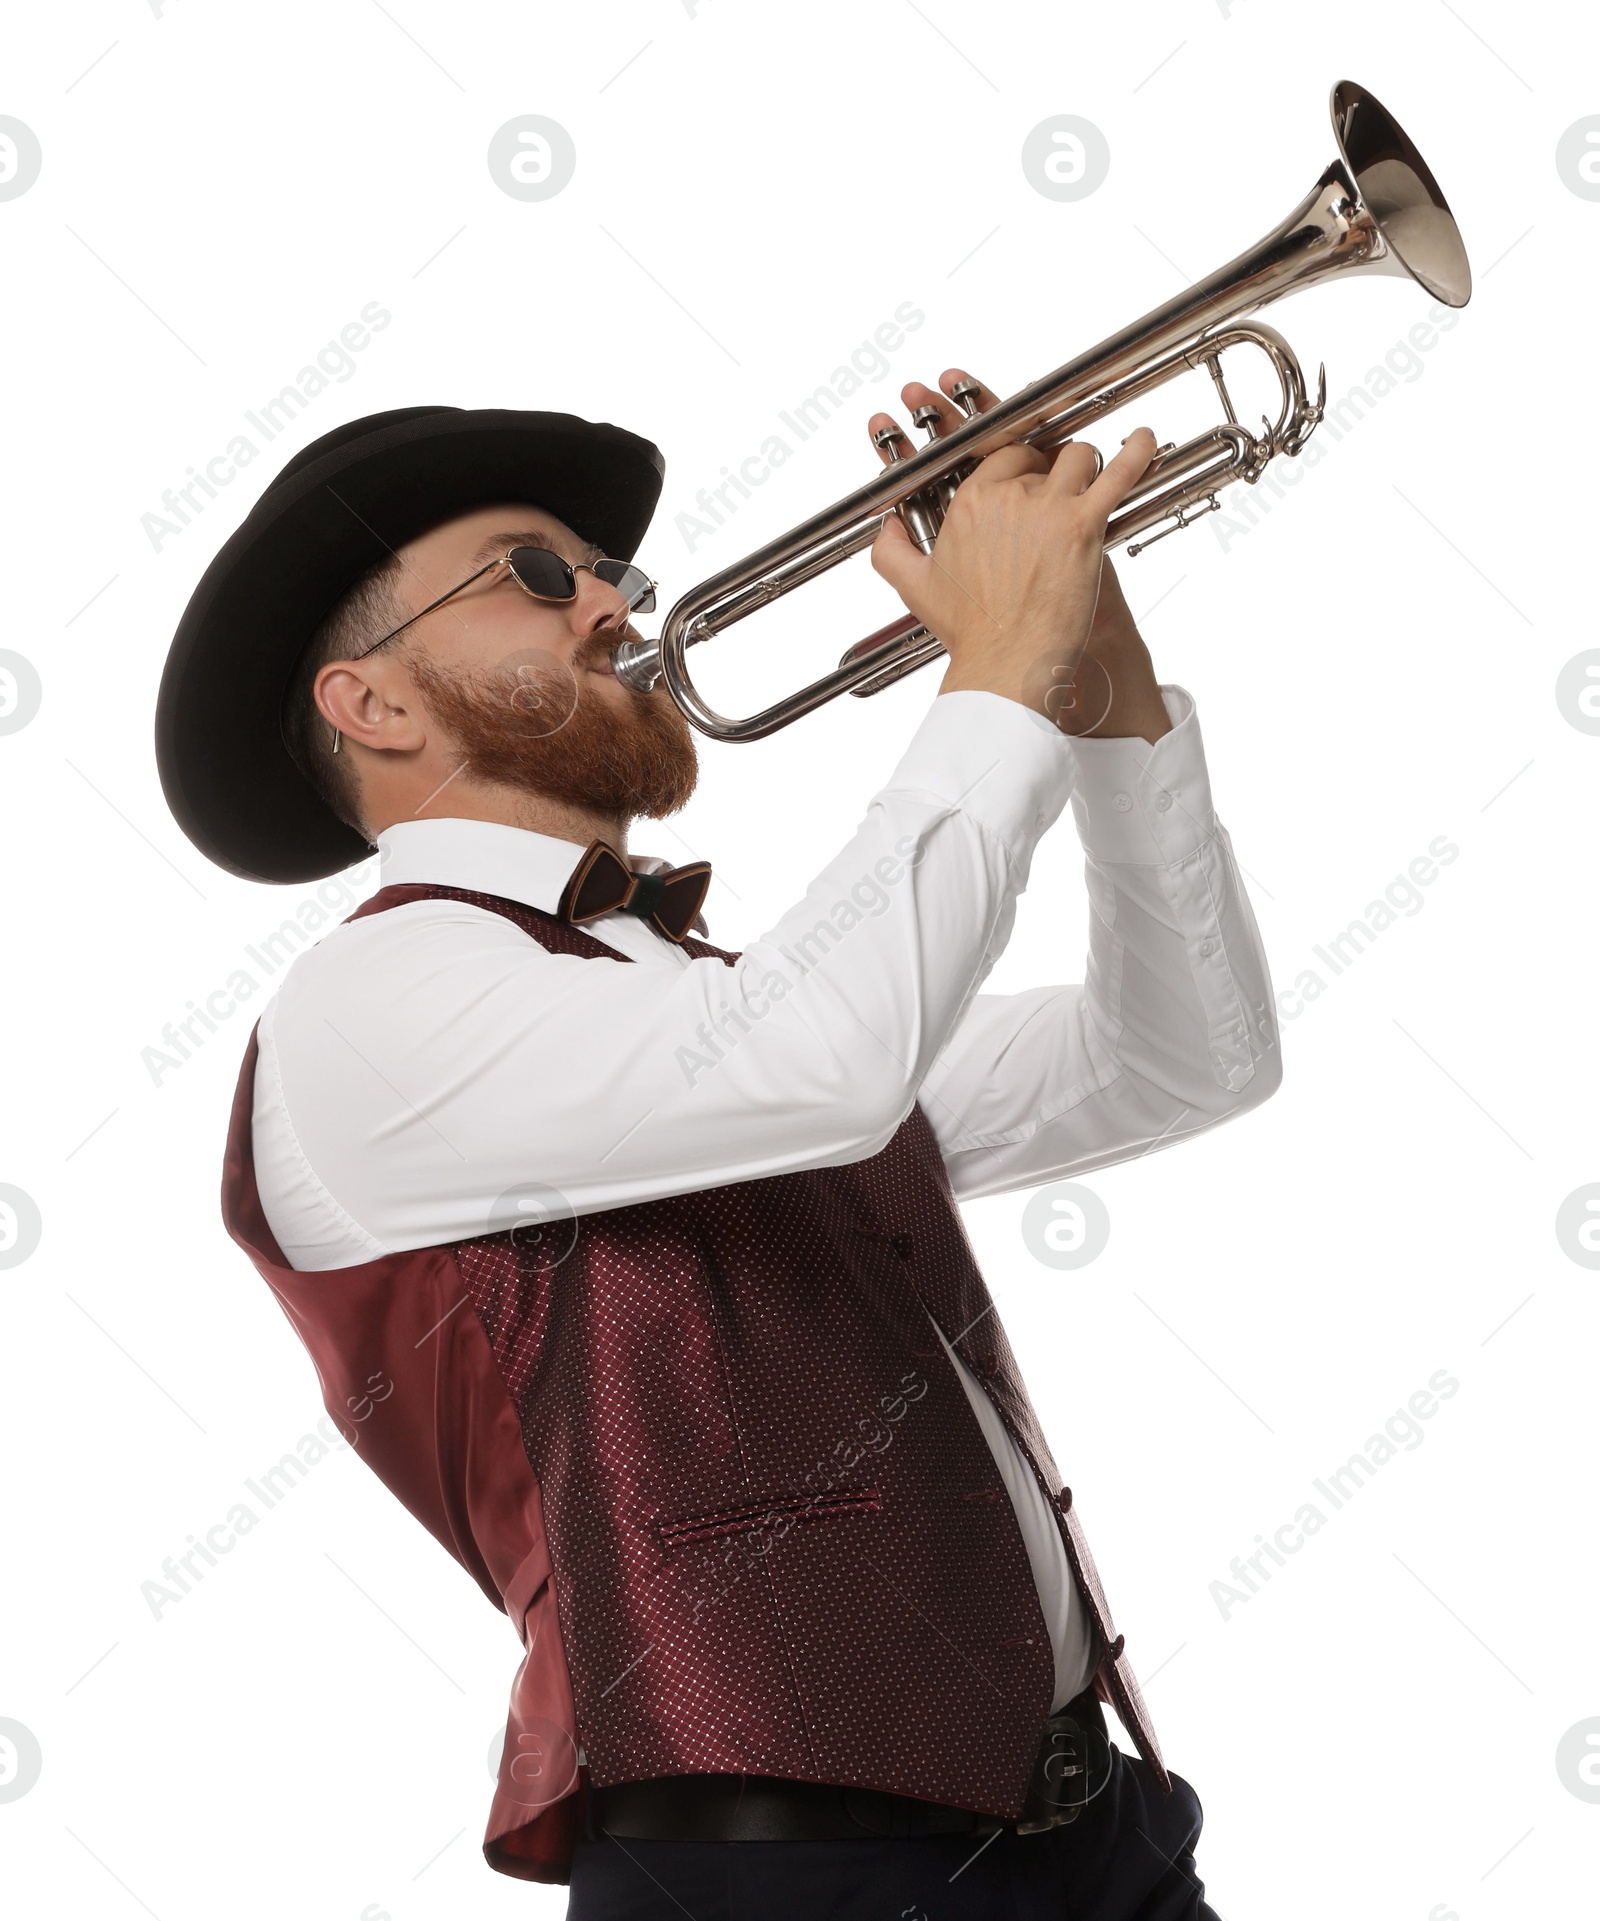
[637, 664]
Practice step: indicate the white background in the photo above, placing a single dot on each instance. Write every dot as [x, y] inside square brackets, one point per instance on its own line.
[308, 1731]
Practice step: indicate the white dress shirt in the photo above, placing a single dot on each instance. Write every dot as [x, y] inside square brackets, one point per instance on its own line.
[420, 1066]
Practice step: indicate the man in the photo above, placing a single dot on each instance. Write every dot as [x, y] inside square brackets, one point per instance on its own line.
[631, 1264]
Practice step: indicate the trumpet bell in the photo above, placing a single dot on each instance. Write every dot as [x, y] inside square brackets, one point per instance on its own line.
[1419, 231]
[1376, 209]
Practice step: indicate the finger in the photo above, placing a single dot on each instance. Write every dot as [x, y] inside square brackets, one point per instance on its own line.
[958, 397]
[1122, 472]
[1076, 463]
[949, 405]
[878, 428]
[976, 391]
[1007, 463]
[930, 408]
[897, 559]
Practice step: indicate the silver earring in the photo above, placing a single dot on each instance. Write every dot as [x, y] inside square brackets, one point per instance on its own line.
[336, 740]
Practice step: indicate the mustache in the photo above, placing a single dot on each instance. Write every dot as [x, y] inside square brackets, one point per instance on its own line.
[597, 650]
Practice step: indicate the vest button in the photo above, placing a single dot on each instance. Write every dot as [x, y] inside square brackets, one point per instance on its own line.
[902, 1246]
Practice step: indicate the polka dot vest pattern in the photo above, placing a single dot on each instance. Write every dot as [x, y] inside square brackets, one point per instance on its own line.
[777, 1538]
[759, 1569]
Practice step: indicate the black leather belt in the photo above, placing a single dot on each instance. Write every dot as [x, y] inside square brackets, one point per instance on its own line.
[1073, 1764]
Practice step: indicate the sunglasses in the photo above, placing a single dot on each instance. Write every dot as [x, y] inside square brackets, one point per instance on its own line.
[546, 576]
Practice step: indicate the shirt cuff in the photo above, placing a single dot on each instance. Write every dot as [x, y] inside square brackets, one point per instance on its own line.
[1144, 805]
[994, 760]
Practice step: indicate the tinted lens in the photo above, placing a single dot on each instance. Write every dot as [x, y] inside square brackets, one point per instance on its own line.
[633, 583]
[543, 573]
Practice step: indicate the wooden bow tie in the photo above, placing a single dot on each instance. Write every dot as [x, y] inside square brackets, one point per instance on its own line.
[604, 883]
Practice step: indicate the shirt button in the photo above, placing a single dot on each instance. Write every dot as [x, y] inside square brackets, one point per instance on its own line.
[1163, 802]
[1207, 949]
[1122, 803]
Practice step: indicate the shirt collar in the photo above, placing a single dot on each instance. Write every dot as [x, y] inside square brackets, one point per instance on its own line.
[485, 857]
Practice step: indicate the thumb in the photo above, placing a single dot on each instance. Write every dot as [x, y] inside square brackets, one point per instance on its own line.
[898, 559]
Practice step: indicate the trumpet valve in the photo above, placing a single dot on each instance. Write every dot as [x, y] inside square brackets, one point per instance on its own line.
[920, 515]
[928, 419]
[965, 394]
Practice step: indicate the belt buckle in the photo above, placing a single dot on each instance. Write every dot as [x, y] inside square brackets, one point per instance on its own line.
[1072, 1766]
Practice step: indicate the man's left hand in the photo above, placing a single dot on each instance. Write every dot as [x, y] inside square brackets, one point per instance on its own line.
[1114, 692]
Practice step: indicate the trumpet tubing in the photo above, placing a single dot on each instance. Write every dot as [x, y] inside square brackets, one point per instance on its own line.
[1376, 209]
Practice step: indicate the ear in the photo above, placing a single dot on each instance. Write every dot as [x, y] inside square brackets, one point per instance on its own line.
[372, 703]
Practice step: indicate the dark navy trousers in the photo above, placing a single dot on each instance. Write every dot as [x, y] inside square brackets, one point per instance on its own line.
[1129, 1856]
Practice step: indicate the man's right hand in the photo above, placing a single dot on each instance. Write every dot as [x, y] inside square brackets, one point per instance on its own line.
[1012, 582]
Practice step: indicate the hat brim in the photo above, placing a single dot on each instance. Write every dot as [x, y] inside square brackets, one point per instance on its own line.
[226, 772]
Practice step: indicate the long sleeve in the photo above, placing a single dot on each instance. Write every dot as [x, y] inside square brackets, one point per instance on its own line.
[421, 1063]
[1174, 1029]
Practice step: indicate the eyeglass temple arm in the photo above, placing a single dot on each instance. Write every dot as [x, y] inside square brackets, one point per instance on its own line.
[487, 568]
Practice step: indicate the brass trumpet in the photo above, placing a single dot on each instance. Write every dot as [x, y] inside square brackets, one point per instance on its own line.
[1376, 209]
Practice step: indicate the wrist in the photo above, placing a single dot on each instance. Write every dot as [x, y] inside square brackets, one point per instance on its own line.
[1116, 694]
[1031, 672]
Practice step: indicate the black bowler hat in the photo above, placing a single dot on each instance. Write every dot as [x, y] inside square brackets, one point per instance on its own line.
[337, 509]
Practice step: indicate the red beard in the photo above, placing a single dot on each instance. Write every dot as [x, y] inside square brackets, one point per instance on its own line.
[536, 723]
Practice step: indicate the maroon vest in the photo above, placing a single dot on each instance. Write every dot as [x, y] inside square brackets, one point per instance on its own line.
[712, 1460]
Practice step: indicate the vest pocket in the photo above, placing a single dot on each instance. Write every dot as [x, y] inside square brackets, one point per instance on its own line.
[778, 1515]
